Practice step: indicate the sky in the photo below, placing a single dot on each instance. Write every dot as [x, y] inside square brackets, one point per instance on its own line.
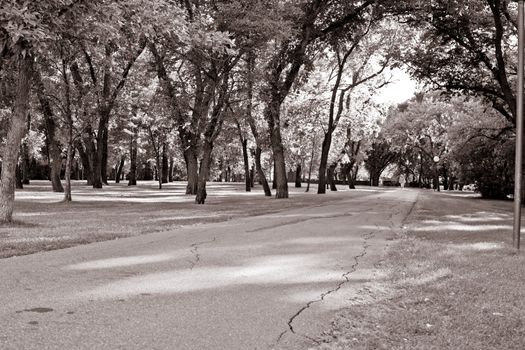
[401, 89]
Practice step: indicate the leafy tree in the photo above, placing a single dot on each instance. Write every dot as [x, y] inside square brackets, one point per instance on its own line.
[482, 149]
[312, 22]
[25, 30]
[464, 47]
[378, 158]
[422, 124]
[355, 65]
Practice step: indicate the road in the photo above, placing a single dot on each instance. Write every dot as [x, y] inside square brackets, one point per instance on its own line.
[266, 282]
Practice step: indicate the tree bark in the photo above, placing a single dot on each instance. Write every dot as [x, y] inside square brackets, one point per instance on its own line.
[159, 175]
[15, 132]
[260, 172]
[351, 178]
[165, 165]
[25, 163]
[279, 176]
[311, 166]
[170, 170]
[100, 153]
[133, 160]
[204, 172]
[247, 177]
[19, 185]
[55, 153]
[120, 166]
[258, 142]
[252, 177]
[69, 124]
[192, 167]
[323, 164]
[331, 177]
[298, 174]
[374, 178]
[69, 161]
[104, 159]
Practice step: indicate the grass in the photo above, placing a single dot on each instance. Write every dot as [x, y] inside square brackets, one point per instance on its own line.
[452, 282]
[42, 222]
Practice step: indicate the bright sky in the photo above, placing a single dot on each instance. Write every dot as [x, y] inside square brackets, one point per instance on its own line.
[401, 89]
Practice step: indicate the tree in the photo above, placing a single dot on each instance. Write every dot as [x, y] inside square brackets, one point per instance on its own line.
[364, 70]
[311, 23]
[54, 149]
[379, 157]
[481, 148]
[462, 47]
[24, 30]
[16, 130]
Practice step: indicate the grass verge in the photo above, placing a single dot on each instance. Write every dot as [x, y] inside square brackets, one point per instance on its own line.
[43, 222]
[452, 282]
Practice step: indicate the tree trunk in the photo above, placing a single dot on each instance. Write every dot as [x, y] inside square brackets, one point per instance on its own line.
[104, 158]
[331, 177]
[298, 174]
[26, 163]
[323, 164]
[15, 132]
[120, 166]
[204, 172]
[159, 174]
[374, 178]
[165, 165]
[351, 178]
[247, 177]
[273, 118]
[133, 160]
[99, 151]
[69, 161]
[91, 153]
[97, 169]
[70, 155]
[55, 153]
[192, 167]
[56, 168]
[260, 173]
[258, 151]
[252, 177]
[170, 170]
[436, 179]
[445, 178]
[274, 183]
[19, 185]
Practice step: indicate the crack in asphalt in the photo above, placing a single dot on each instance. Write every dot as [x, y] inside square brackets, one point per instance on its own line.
[366, 237]
[194, 250]
[293, 222]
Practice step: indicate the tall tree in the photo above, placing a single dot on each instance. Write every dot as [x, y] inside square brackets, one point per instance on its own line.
[473, 39]
[312, 22]
[25, 30]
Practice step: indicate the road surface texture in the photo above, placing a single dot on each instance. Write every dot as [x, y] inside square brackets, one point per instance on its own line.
[266, 282]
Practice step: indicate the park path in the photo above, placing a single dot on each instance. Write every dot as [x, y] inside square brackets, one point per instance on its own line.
[271, 281]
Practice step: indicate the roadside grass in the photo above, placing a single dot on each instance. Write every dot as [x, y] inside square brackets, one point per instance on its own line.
[454, 285]
[42, 222]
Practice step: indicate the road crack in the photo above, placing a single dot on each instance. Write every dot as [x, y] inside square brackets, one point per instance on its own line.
[366, 237]
[195, 251]
[301, 220]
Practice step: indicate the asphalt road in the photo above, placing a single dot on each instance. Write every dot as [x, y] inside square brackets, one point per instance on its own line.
[265, 282]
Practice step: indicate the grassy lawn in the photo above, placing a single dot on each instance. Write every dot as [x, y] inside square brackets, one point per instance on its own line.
[43, 222]
[450, 282]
